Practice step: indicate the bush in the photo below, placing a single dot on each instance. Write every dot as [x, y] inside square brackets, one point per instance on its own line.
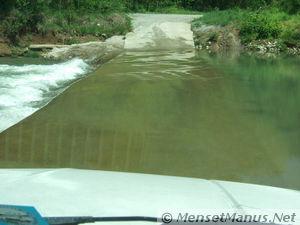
[258, 26]
[291, 32]
[32, 54]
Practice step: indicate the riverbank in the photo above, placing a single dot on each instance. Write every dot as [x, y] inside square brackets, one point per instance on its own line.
[263, 32]
[268, 31]
[58, 31]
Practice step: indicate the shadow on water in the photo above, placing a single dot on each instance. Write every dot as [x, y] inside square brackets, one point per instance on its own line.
[171, 113]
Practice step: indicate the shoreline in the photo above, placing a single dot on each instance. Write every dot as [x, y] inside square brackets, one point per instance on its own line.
[40, 45]
[216, 39]
[98, 28]
[264, 32]
[228, 41]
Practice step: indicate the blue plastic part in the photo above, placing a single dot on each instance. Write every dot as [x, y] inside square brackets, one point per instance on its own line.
[20, 215]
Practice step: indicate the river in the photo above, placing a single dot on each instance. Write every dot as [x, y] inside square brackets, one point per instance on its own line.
[182, 113]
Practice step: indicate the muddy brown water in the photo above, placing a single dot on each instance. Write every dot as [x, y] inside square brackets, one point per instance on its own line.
[172, 113]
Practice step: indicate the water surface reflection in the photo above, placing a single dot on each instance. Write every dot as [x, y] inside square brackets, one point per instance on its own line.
[171, 113]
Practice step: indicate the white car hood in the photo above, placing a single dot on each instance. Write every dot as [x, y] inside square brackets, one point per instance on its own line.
[73, 192]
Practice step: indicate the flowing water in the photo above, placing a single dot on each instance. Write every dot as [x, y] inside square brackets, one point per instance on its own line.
[27, 85]
[163, 112]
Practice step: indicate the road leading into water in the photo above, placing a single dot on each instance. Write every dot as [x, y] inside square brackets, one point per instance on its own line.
[171, 113]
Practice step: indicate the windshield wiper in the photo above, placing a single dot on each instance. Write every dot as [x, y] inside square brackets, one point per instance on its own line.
[21, 215]
[89, 219]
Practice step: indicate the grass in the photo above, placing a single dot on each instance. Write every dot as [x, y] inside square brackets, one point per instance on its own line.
[222, 18]
[264, 24]
[175, 10]
[170, 10]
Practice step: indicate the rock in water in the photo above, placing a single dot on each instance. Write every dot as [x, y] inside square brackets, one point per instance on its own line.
[93, 52]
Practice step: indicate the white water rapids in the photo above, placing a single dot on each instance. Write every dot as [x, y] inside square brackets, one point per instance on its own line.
[25, 89]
